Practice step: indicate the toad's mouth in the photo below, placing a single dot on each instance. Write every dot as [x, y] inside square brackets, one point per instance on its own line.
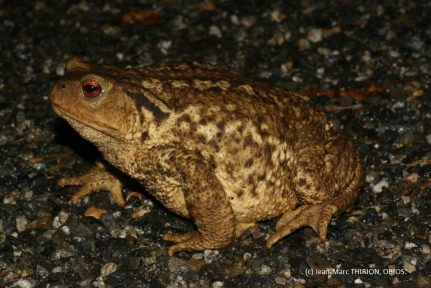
[102, 127]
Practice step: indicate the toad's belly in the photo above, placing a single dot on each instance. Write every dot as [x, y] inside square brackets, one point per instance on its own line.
[255, 198]
[264, 206]
[250, 203]
[246, 209]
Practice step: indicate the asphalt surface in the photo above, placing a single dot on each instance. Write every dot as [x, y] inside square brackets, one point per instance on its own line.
[347, 49]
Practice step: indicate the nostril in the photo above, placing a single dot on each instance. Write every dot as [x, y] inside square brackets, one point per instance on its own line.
[63, 85]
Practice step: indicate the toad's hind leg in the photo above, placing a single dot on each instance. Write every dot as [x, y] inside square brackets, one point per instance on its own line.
[337, 185]
[209, 208]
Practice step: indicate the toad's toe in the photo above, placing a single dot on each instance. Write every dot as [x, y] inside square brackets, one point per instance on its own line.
[192, 242]
[317, 217]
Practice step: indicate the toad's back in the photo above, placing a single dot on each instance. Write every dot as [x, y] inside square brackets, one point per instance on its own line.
[246, 129]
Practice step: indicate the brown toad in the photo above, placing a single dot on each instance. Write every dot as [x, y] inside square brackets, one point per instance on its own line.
[210, 145]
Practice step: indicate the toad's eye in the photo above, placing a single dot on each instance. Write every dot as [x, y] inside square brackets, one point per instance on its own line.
[91, 89]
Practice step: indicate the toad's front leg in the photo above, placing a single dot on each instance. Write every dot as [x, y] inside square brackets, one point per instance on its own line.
[96, 179]
[209, 208]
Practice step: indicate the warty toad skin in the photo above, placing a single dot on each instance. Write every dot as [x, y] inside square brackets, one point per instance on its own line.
[212, 146]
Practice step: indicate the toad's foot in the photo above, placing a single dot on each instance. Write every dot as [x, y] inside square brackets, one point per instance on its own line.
[195, 241]
[96, 179]
[192, 242]
[316, 217]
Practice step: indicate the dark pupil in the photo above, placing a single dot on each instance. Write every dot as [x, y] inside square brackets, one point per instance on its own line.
[91, 88]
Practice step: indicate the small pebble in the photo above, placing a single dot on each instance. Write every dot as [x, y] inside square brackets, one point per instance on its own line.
[315, 35]
[264, 270]
[217, 284]
[411, 178]
[107, 269]
[211, 256]
[410, 268]
[379, 186]
[280, 280]
[425, 249]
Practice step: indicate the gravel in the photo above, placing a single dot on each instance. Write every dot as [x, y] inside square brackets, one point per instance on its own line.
[296, 45]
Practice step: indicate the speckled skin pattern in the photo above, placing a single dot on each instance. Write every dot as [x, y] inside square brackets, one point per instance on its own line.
[210, 145]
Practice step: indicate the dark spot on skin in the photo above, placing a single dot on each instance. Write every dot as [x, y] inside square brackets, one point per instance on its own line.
[233, 150]
[213, 164]
[200, 164]
[268, 152]
[143, 101]
[240, 129]
[229, 168]
[217, 90]
[159, 167]
[212, 160]
[261, 177]
[257, 120]
[302, 165]
[214, 144]
[201, 138]
[239, 193]
[248, 163]
[185, 118]
[248, 141]
[307, 187]
[219, 134]
[250, 179]
[203, 122]
[144, 136]
[220, 126]
[179, 108]
[172, 156]
[302, 182]
[264, 134]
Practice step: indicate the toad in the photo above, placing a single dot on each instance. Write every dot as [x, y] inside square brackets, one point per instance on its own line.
[212, 146]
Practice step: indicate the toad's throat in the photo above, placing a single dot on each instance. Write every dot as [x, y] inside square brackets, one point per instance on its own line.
[102, 127]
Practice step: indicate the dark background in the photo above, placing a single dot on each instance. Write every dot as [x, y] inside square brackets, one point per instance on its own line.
[328, 46]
